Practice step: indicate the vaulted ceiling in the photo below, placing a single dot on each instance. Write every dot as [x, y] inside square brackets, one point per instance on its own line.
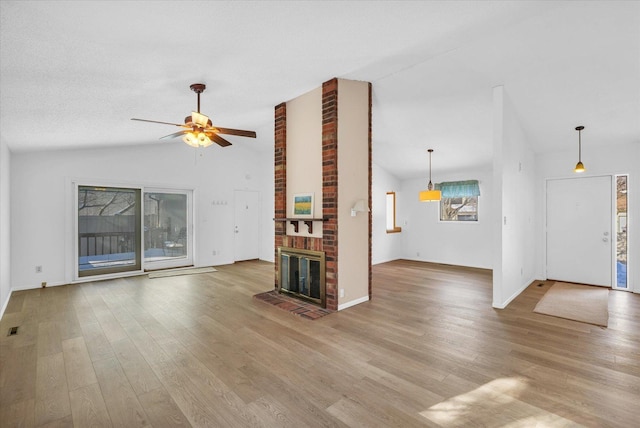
[72, 74]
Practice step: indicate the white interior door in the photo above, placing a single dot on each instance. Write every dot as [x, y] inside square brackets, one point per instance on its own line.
[579, 225]
[247, 225]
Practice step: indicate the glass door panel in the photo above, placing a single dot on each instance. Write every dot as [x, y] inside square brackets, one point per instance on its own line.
[108, 230]
[167, 236]
[621, 232]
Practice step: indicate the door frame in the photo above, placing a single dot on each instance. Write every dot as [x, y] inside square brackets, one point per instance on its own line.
[614, 283]
[612, 225]
[71, 224]
[235, 222]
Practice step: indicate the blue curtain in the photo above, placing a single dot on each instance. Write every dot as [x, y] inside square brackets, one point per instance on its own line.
[458, 189]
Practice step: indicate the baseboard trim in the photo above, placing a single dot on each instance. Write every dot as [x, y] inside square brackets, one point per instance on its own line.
[514, 295]
[353, 303]
[413, 259]
[33, 287]
[379, 262]
[6, 303]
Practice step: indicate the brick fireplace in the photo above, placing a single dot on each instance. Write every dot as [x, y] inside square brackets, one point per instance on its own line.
[302, 274]
[327, 220]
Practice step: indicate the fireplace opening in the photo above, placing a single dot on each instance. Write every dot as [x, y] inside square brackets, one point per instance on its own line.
[302, 274]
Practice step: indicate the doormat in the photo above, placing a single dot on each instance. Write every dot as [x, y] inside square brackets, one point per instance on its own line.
[584, 303]
[292, 305]
[184, 271]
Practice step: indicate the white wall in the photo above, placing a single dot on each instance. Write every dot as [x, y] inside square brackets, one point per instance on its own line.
[304, 156]
[42, 207]
[622, 159]
[385, 246]
[5, 235]
[267, 229]
[514, 219]
[353, 184]
[426, 238]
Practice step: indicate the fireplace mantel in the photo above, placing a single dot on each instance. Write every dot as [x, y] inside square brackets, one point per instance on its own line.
[295, 222]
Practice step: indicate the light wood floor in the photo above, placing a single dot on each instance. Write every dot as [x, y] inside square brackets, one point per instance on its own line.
[198, 350]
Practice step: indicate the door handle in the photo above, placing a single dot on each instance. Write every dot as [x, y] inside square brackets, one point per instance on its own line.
[604, 240]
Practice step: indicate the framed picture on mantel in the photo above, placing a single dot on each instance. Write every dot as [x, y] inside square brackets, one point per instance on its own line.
[303, 205]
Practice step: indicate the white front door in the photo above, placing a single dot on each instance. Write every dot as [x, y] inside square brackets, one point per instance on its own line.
[247, 225]
[579, 230]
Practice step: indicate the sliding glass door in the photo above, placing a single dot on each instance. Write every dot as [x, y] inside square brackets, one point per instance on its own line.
[167, 232]
[108, 230]
[130, 229]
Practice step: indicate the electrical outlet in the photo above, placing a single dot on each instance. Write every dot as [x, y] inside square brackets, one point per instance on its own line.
[214, 252]
[38, 269]
[418, 254]
[342, 292]
[44, 284]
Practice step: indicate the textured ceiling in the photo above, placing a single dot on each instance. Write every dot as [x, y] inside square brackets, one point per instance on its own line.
[73, 73]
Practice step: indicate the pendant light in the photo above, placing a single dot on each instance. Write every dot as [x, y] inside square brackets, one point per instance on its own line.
[579, 166]
[430, 194]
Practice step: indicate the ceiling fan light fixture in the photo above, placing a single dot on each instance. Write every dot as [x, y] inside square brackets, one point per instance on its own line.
[190, 139]
[197, 139]
[579, 166]
[204, 140]
[198, 130]
[430, 195]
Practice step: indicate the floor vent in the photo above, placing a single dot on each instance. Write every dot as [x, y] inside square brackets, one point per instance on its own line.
[541, 284]
[13, 331]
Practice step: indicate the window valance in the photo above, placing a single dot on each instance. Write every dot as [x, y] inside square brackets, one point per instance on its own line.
[459, 189]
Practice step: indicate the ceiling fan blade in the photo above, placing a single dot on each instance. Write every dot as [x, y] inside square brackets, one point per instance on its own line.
[175, 134]
[218, 139]
[156, 121]
[238, 132]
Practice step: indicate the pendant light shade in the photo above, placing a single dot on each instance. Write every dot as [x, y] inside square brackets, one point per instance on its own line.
[430, 194]
[579, 166]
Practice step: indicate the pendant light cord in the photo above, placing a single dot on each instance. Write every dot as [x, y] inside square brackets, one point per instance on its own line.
[579, 145]
[430, 186]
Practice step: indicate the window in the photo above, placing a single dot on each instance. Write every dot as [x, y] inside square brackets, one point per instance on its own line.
[459, 200]
[459, 209]
[391, 213]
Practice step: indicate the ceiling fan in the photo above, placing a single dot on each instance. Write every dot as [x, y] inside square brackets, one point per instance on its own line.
[198, 130]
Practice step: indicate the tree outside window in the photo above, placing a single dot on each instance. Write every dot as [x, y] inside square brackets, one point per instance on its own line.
[459, 209]
[459, 200]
